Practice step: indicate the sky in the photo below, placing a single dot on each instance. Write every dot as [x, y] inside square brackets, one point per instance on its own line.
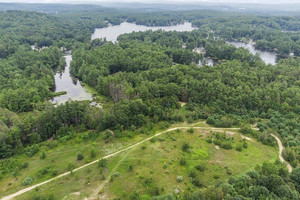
[157, 1]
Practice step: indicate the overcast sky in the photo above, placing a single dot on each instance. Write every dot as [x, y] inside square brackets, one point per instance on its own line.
[159, 1]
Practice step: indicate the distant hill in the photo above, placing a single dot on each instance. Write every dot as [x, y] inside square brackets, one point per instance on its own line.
[270, 9]
[277, 9]
[51, 8]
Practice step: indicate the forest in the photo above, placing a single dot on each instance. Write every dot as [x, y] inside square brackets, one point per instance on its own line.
[146, 77]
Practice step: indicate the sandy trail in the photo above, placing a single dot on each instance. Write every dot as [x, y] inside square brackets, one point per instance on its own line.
[11, 196]
[281, 148]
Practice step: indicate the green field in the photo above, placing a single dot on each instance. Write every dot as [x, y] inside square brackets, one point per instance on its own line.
[150, 168]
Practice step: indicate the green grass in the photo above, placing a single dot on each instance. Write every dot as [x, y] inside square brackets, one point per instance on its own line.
[60, 154]
[153, 163]
[159, 162]
[76, 186]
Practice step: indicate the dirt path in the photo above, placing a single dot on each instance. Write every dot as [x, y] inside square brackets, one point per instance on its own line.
[95, 194]
[11, 196]
[281, 147]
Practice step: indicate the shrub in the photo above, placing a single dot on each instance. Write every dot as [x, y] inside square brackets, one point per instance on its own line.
[117, 174]
[24, 165]
[197, 182]
[209, 140]
[43, 156]
[130, 168]
[228, 171]
[44, 171]
[245, 145]
[200, 167]
[246, 129]
[239, 147]
[193, 174]
[185, 147]
[152, 140]
[54, 173]
[27, 181]
[80, 156]
[32, 150]
[191, 130]
[226, 145]
[93, 153]
[107, 136]
[179, 179]
[182, 161]
[216, 176]
[70, 166]
[102, 163]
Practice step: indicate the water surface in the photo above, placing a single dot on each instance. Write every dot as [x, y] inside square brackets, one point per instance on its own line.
[269, 57]
[65, 82]
[111, 33]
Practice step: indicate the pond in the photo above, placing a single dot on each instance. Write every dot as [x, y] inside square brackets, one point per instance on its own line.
[65, 82]
[111, 33]
[269, 57]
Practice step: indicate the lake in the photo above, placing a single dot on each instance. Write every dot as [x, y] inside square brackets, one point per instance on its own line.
[111, 33]
[269, 57]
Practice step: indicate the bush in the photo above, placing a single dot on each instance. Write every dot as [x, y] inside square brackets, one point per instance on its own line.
[93, 153]
[24, 165]
[209, 140]
[70, 166]
[200, 167]
[44, 171]
[191, 130]
[239, 147]
[102, 163]
[117, 174]
[179, 179]
[226, 145]
[152, 140]
[43, 156]
[27, 181]
[80, 156]
[246, 129]
[216, 176]
[130, 168]
[193, 174]
[32, 150]
[182, 161]
[185, 147]
[54, 173]
[197, 182]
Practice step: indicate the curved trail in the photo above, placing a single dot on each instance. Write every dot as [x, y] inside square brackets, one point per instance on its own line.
[11, 196]
[281, 148]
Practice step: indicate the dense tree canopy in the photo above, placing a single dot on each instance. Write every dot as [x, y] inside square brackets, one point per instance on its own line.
[146, 75]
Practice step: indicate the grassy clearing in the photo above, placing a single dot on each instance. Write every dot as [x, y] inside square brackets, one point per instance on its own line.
[156, 165]
[61, 155]
[76, 186]
[151, 168]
